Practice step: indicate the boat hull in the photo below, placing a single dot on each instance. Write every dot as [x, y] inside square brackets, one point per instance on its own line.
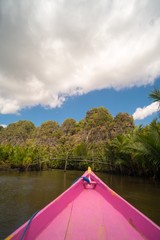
[88, 211]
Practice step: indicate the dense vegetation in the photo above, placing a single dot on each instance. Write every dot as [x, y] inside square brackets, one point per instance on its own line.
[99, 140]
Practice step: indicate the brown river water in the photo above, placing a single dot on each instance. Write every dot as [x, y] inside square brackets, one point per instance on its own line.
[23, 194]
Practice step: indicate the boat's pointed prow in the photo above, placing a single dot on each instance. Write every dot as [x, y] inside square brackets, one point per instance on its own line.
[89, 170]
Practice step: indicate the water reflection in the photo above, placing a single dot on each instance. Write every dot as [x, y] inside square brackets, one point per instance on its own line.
[22, 194]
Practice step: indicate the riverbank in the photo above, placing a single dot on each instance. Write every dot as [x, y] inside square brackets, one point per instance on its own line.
[107, 144]
[7, 168]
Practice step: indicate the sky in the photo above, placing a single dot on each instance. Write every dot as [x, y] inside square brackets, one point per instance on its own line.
[59, 59]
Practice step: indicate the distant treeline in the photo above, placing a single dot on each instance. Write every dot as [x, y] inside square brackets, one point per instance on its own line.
[105, 142]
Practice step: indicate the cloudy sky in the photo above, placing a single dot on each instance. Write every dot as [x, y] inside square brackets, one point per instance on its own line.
[59, 58]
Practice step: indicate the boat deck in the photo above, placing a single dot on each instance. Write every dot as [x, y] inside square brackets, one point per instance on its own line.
[105, 222]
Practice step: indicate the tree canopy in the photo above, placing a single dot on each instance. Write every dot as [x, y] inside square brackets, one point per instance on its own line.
[105, 142]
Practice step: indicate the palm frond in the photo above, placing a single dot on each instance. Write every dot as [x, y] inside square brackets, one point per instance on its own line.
[155, 95]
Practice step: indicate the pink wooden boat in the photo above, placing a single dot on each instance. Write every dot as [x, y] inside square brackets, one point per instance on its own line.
[88, 210]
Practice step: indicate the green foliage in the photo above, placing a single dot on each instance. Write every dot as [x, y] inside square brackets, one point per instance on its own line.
[147, 148]
[137, 153]
[99, 140]
[97, 117]
[17, 133]
[155, 95]
[1, 128]
[47, 134]
[69, 127]
[80, 150]
[123, 123]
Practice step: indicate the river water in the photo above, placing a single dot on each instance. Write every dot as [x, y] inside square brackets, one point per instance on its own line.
[22, 194]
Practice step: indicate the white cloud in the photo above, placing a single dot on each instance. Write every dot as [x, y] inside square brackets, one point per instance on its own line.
[8, 106]
[53, 49]
[3, 125]
[144, 112]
